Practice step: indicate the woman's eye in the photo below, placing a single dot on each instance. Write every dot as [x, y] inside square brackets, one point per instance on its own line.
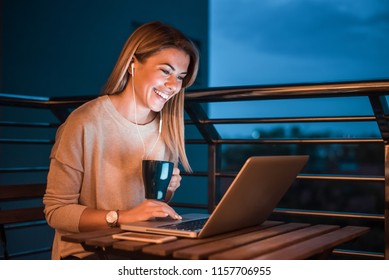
[168, 73]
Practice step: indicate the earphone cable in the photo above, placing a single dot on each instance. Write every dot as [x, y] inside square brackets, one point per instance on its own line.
[137, 126]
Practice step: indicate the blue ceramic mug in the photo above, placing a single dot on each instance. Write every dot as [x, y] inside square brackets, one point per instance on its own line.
[156, 178]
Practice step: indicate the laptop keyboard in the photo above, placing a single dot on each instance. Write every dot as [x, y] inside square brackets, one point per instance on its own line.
[195, 225]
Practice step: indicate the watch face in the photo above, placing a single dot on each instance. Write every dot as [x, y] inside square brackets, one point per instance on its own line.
[112, 217]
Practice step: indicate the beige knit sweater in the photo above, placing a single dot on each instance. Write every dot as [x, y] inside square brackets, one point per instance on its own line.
[95, 163]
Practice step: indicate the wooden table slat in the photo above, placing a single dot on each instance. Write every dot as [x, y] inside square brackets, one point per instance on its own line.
[316, 245]
[81, 237]
[204, 250]
[273, 243]
[130, 246]
[167, 249]
[271, 240]
[101, 241]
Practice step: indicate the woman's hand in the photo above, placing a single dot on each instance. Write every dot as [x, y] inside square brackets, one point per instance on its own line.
[175, 181]
[92, 219]
[173, 185]
[147, 210]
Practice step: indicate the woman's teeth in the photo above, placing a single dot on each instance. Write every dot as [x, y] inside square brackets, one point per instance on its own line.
[163, 95]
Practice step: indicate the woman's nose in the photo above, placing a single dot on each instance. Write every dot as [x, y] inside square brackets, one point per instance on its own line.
[173, 84]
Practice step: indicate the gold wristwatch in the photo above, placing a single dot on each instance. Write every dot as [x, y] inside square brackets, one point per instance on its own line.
[112, 218]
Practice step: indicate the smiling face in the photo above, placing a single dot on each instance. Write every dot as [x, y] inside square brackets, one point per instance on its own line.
[159, 78]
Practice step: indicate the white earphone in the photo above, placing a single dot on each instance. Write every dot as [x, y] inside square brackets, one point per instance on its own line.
[136, 120]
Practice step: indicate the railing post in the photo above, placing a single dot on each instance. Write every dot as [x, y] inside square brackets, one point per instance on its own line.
[210, 135]
[386, 222]
[380, 108]
[211, 177]
[214, 159]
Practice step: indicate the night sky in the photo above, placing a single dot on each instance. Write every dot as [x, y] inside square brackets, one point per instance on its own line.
[270, 42]
[297, 41]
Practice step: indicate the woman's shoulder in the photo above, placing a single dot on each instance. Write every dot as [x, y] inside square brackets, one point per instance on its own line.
[86, 116]
[89, 108]
[81, 122]
[88, 111]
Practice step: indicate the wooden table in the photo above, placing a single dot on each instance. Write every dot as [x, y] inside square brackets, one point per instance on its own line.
[271, 240]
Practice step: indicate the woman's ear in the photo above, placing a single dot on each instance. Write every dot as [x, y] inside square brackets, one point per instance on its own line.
[132, 68]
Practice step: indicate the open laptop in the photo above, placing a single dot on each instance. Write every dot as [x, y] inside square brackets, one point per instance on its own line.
[249, 201]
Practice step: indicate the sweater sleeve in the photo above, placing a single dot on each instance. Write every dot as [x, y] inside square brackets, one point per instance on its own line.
[61, 200]
[62, 209]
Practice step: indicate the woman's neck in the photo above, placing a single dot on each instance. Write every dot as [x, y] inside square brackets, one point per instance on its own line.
[124, 104]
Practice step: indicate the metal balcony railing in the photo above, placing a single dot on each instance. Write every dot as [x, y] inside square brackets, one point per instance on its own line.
[196, 109]
[375, 91]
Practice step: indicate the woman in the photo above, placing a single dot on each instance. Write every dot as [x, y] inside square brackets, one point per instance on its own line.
[95, 179]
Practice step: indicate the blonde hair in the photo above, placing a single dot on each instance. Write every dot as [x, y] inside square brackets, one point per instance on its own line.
[144, 42]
